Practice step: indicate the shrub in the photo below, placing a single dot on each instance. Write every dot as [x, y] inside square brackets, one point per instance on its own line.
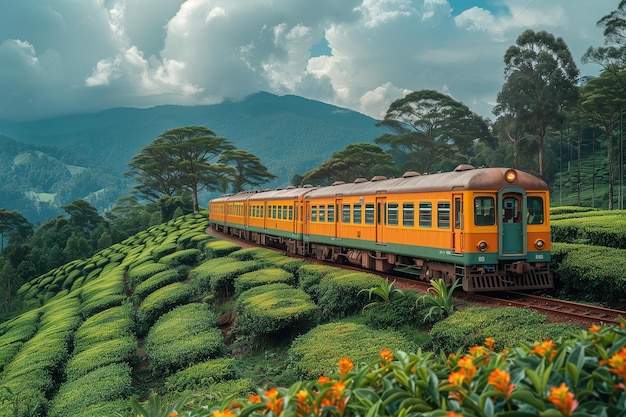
[144, 271]
[202, 374]
[399, 312]
[219, 277]
[249, 254]
[508, 325]
[163, 249]
[311, 274]
[262, 276]
[183, 336]
[318, 351]
[181, 257]
[219, 248]
[340, 294]
[101, 354]
[161, 301]
[273, 308]
[155, 282]
[109, 383]
[113, 323]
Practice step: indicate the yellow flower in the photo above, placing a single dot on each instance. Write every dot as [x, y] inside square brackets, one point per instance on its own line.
[345, 366]
[274, 404]
[500, 379]
[456, 378]
[466, 363]
[563, 399]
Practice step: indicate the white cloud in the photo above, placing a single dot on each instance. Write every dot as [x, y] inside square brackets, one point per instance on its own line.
[68, 56]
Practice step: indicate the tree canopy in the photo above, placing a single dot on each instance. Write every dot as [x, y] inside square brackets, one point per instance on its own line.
[431, 128]
[358, 160]
[181, 159]
[540, 82]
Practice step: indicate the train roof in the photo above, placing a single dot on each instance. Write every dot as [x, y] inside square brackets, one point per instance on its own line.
[464, 177]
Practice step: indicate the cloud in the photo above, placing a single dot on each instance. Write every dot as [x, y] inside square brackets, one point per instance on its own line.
[64, 56]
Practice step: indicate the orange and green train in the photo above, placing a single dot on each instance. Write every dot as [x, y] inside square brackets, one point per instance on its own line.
[487, 227]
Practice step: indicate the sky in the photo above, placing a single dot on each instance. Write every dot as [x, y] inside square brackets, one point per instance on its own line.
[62, 57]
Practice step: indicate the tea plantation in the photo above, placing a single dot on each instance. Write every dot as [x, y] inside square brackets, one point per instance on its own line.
[176, 319]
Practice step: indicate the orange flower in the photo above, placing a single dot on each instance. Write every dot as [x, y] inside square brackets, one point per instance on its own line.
[345, 366]
[456, 378]
[617, 363]
[386, 355]
[500, 380]
[595, 328]
[173, 414]
[453, 414]
[489, 342]
[218, 413]
[466, 363]
[322, 380]
[275, 404]
[254, 399]
[563, 399]
[304, 403]
[543, 348]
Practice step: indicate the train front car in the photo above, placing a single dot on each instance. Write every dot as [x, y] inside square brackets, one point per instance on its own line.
[501, 227]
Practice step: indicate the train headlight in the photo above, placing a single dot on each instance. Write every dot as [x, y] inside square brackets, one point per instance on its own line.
[482, 246]
[510, 175]
[539, 243]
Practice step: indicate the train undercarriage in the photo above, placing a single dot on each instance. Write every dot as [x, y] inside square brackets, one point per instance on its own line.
[506, 276]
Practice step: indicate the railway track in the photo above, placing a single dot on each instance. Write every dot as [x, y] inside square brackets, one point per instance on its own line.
[556, 310]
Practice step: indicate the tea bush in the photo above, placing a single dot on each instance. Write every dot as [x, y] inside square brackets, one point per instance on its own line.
[317, 352]
[156, 281]
[105, 384]
[181, 257]
[161, 301]
[262, 276]
[219, 248]
[113, 323]
[339, 294]
[169, 352]
[201, 374]
[101, 354]
[271, 308]
[510, 326]
[218, 278]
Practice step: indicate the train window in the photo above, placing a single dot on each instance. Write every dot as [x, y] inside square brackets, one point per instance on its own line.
[273, 212]
[443, 215]
[331, 213]
[345, 213]
[262, 211]
[392, 214]
[426, 214]
[408, 214]
[484, 211]
[369, 214]
[535, 210]
[290, 217]
[322, 213]
[358, 214]
[280, 212]
[285, 212]
[314, 213]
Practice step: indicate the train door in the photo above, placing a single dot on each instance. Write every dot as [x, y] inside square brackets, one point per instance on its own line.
[457, 225]
[512, 236]
[337, 220]
[381, 219]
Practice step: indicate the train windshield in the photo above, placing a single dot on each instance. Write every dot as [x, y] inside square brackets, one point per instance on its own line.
[535, 210]
[484, 209]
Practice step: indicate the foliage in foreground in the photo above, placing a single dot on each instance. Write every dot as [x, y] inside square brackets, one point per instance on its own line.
[580, 376]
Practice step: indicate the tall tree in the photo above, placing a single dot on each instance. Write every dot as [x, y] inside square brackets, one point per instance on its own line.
[603, 103]
[431, 127]
[13, 227]
[357, 160]
[181, 159]
[83, 215]
[249, 169]
[541, 78]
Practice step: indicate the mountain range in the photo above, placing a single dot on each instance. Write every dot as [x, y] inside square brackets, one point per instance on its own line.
[46, 164]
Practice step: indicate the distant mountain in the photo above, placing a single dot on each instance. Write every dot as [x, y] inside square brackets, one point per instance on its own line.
[290, 134]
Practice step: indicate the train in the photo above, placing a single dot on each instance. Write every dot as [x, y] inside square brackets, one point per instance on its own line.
[487, 228]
